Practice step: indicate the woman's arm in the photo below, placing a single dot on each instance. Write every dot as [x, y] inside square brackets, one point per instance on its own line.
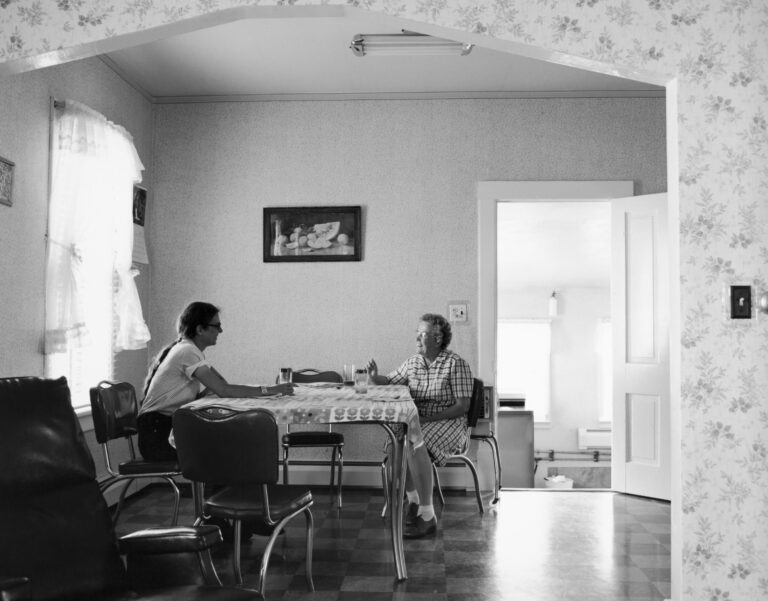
[458, 409]
[215, 382]
[373, 373]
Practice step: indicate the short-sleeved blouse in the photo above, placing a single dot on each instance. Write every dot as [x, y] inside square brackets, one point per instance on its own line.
[434, 388]
[173, 384]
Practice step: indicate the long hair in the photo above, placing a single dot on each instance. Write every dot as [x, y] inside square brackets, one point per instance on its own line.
[195, 314]
[438, 321]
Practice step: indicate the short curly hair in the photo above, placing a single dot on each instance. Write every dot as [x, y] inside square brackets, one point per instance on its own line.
[441, 322]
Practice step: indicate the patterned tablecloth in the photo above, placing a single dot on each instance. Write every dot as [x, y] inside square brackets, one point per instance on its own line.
[333, 403]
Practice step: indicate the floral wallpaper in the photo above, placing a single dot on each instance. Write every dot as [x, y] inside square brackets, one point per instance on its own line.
[718, 51]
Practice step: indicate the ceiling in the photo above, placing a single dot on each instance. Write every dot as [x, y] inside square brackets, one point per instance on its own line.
[300, 56]
[553, 245]
[309, 58]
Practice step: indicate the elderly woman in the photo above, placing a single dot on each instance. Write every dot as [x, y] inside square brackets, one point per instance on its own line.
[441, 385]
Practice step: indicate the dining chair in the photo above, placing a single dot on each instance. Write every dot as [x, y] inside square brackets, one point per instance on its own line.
[238, 450]
[473, 414]
[115, 411]
[316, 438]
[489, 438]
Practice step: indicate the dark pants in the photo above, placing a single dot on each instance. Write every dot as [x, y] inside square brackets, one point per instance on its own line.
[154, 429]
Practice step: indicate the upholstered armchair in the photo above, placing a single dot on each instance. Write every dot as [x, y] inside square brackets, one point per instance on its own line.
[57, 541]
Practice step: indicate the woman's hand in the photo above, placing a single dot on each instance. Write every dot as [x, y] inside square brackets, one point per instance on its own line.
[282, 389]
[373, 373]
[373, 369]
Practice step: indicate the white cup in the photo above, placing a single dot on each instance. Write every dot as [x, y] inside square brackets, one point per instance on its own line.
[286, 375]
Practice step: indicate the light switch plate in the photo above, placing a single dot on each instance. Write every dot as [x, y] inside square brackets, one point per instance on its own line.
[458, 312]
[741, 302]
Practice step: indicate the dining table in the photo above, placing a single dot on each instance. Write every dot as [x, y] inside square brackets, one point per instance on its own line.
[331, 403]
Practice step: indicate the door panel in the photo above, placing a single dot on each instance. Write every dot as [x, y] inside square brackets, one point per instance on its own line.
[640, 316]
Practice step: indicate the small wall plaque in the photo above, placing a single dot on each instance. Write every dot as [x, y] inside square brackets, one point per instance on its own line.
[6, 181]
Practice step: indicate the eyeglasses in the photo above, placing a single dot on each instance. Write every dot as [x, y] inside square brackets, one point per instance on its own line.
[214, 325]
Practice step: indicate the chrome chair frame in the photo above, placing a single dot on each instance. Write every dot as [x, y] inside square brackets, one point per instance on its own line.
[473, 414]
[109, 426]
[205, 456]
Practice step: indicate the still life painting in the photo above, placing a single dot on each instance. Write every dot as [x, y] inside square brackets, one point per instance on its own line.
[329, 233]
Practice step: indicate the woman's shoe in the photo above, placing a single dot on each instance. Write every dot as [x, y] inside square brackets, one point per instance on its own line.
[421, 528]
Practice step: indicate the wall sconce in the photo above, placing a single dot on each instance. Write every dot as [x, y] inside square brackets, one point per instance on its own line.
[407, 43]
[553, 305]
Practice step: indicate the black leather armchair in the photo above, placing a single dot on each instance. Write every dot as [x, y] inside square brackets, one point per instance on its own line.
[57, 541]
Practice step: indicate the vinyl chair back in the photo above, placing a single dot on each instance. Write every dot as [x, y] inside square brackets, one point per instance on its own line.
[473, 415]
[57, 536]
[239, 449]
[313, 438]
[115, 411]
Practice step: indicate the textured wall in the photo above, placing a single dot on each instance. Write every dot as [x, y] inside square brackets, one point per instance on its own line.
[412, 165]
[716, 51]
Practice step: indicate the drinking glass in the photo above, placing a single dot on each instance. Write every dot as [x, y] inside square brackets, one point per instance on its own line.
[286, 375]
[361, 381]
[348, 374]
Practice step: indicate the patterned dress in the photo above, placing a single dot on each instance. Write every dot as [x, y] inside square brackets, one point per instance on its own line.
[435, 388]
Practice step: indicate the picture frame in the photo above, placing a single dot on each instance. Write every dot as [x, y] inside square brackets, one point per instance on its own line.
[6, 181]
[298, 234]
[139, 204]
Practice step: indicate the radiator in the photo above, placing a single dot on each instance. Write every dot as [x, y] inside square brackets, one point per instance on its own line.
[594, 438]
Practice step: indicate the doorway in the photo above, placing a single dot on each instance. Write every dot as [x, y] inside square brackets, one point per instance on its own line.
[554, 360]
[489, 195]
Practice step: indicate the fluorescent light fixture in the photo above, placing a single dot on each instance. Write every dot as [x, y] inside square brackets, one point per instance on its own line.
[407, 43]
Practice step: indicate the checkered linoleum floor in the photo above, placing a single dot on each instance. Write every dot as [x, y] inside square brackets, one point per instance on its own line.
[531, 546]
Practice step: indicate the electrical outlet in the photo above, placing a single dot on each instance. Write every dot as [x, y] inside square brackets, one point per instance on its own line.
[457, 312]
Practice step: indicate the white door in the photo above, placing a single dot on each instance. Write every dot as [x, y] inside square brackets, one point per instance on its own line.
[640, 310]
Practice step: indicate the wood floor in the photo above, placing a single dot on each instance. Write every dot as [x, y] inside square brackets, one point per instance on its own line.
[531, 546]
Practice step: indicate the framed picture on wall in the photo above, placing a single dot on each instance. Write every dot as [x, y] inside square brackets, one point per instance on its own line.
[139, 204]
[6, 181]
[294, 234]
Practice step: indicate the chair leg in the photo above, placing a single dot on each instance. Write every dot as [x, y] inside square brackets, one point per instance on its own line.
[498, 458]
[338, 483]
[310, 530]
[472, 469]
[271, 543]
[236, 553]
[437, 484]
[176, 499]
[385, 485]
[492, 442]
[121, 500]
[285, 464]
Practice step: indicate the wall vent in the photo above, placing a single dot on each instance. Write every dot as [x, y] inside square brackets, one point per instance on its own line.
[594, 438]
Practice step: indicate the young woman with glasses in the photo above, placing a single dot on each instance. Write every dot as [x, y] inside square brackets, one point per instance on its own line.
[180, 374]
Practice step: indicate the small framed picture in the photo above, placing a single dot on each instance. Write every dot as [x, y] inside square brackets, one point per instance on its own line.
[139, 204]
[6, 181]
[293, 234]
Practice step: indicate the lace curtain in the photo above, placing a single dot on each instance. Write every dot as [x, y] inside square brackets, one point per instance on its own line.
[91, 296]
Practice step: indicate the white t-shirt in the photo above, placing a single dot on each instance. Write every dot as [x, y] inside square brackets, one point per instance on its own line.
[173, 384]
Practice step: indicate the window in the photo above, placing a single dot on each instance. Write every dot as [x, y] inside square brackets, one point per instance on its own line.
[604, 351]
[523, 364]
[92, 306]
